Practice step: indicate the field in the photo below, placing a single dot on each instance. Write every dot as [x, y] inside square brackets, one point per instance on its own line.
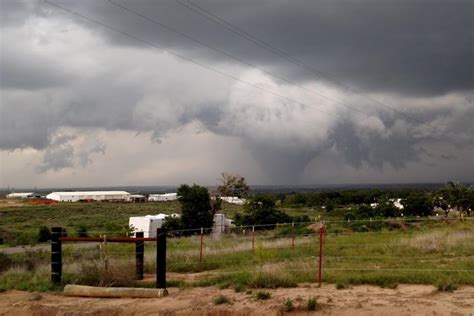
[435, 252]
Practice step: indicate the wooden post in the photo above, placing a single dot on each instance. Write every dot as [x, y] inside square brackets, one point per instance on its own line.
[320, 266]
[253, 238]
[293, 235]
[139, 256]
[160, 259]
[200, 247]
[56, 255]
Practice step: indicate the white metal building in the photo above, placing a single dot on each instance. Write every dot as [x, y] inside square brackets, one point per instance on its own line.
[233, 200]
[75, 196]
[20, 195]
[162, 197]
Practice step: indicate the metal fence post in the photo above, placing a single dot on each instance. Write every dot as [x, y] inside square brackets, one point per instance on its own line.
[139, 256]
[253, 238]
[200, 246]
[293, 235]
[160, 258]
[56, 255]
[321, 241]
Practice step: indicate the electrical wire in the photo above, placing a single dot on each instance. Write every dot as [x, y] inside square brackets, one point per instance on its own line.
[242, 33]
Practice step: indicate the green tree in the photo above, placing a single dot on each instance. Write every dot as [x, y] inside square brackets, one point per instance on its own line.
[457, 196]
[196, 208]
[386, 208]
[418, 204]
[261, 210]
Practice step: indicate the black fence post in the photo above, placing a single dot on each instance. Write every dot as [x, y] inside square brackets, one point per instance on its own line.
[160, 259]
[56, 255]
[139, 256]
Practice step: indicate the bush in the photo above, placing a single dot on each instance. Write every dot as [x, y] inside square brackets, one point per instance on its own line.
[313, 304]
[261, 210]
[221, 299]
[263, 295]
[272, 281]
[82, 232]
[446, 286]
[239, 288]
[288, 305]
[5, 262]
[44, 234]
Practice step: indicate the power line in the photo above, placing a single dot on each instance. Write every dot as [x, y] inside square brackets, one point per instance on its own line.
[242, 33]
[171, 29]
[189, 59]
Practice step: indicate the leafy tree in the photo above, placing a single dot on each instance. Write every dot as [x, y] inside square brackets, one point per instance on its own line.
[365, 211]
[386, 208]
[261, 210]
[172, 223]
[233, 185]
[457, 196]
[418, 204]
[196, 208]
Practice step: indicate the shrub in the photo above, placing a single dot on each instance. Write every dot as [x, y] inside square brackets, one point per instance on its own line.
[44, 234]
[82, 232]
[260, 210]
[221, 299]
[239, 288]
[5, 262]
[271, 280]
[313, 304]
[288, 305]
[341, 285]
[446, 286]
[263, 295]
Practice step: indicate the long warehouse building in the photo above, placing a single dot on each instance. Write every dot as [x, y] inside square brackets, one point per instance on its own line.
[75, 196]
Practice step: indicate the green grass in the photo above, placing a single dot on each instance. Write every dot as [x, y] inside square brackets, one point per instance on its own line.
[263, 295]
[20, 224]
[221, 299]
[437, 253]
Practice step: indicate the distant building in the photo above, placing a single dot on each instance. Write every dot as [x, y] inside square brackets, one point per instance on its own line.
[233, 200]
[396, 202]
[20, 195]
[137, 198]
[162, 197]
[75, 196]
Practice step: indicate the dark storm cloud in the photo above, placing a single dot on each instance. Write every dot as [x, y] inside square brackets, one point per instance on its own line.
[408, 47]
[66, 72]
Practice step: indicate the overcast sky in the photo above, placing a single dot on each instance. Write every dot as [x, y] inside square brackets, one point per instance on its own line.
[282, 92]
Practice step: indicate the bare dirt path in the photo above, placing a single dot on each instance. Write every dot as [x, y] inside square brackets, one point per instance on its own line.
[359, 300]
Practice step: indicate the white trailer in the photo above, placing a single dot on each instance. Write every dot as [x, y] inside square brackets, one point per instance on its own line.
[148, 224]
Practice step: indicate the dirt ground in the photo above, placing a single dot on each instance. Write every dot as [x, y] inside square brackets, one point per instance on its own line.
[358, 300]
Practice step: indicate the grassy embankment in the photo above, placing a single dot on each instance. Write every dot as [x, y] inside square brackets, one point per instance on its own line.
[427, 253]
